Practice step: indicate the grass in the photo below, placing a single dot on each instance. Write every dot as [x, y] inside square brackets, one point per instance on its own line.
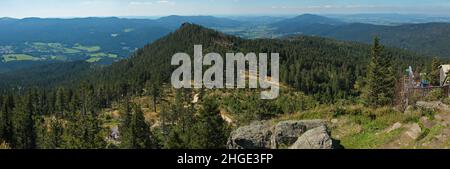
[93, 59]
[19, 57]
[429, 135]
[87, 48]
[70, 51]
[368, 140]
[54, 48]
[358, 126]
[113, 55]
[99, 55]
[60, 52]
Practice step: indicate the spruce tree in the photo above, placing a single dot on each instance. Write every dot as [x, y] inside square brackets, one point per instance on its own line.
[54, 134]
[155, 93]
[136, 134]
[211, 130]
[125, 126]
[434, 72]
[6, 128]
[83, 131]
[24, 134]
[380, 77]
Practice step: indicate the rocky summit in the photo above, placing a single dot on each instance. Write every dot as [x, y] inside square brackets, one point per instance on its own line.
[303, 134]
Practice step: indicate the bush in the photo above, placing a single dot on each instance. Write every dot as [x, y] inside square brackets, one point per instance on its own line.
[434, 95]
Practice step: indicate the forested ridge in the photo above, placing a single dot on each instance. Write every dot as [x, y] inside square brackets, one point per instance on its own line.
[426, 38]
[316, 71]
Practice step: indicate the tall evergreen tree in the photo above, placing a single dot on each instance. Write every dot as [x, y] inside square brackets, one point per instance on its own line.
[211, 130]
[380, 77]
[24, 134]
[83, 132]
[124, 127]
[54, 134]
[434, 72]
[6, 128]
[154, 89]
[137, 133]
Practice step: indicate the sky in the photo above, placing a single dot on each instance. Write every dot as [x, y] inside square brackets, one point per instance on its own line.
[85, 8]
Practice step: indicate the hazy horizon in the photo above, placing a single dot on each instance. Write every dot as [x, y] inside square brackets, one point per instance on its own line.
[233, 16]
[158, 8]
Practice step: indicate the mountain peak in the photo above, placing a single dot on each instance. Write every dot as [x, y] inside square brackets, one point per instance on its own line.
[313, 19]
[193, 30]
[190, 26]
[310, 15]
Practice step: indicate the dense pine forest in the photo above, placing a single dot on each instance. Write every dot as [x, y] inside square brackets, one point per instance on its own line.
[63, 105]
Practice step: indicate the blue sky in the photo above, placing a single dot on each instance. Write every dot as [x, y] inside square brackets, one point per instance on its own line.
[83, 8]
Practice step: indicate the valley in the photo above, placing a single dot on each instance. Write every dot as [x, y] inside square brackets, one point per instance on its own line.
[108, 40]
[131, 103]
[39, 51]
[107, 84]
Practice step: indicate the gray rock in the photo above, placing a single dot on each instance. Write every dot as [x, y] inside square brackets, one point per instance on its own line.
[394, 127]
[414, 131]
[317, 138]
[254, 136]
[436, 105]
[287, 132]
[305, 134]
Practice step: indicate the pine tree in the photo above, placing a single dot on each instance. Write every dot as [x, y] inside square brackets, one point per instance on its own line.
[136, 133]
[6, 129]
[155, 93]
[388, 76]
[92, 134]
[380, 77]
[180, 120]
[434, 72]
[24, 134]
[211, 130]
[60, 102]
[83, 132]
[175, 139]
[54, 134]
[125, 126]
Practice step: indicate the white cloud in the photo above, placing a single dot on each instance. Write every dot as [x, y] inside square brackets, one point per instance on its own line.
[140, 3]
[166, 2]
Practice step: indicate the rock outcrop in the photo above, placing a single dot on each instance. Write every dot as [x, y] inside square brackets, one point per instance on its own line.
[304, 134]
[287, 132]
[254, 136]
[317, 138]
[436, 105]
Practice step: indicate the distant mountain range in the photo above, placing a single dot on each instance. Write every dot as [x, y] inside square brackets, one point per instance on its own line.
[100, 40]
[428, 38]
[174, 21]
[389, 18]
[310, 64]
[33, 41]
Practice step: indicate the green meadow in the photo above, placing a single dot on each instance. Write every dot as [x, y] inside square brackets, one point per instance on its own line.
[19, 57]
[87, 48]
[35, 51]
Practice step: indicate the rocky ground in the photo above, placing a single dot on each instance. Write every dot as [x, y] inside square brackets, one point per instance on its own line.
[431, 131]
[304, 134]
[427, 128]
[422, 126]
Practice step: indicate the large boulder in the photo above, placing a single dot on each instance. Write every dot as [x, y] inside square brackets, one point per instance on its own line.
[317, 138]
[286, 133]
[254, 136]
[304, 134]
